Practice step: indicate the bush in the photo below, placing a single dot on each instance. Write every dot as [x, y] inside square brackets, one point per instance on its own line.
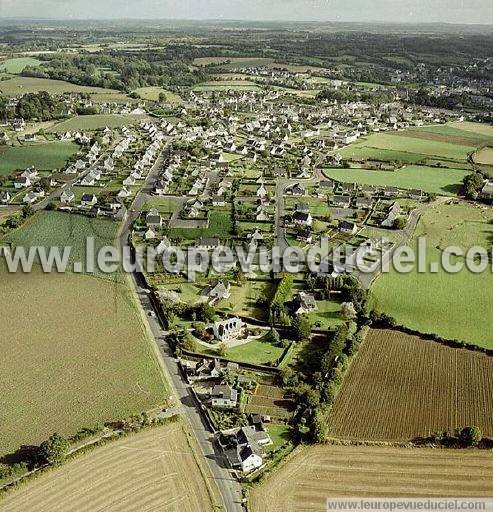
[470, 436]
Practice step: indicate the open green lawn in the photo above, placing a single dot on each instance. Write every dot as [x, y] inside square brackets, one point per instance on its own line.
[58, 229]
[17, 65]
[74, 354]
[45, 156]
[255, 352]
[220, 225]
[244, 299]
[456, 306]
[97, 122]
[23, 85]
[430, 179]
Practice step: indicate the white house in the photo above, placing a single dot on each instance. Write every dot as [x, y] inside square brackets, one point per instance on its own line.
[224, 396]
[67, 196]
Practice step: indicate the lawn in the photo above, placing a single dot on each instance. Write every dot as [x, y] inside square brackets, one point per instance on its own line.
[17, 65]
[245, 299]
[97, 122]
[47, 156]
[429, 179]
[456, 306]
[255, 352]
[57, 229]
[220, 225]
[74, 354]
[23, 85]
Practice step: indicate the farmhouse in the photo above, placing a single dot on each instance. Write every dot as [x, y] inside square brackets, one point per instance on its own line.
[228, 329]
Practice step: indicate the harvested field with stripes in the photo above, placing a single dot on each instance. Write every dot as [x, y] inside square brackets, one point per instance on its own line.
[156, 469]
[313, 474]
[401, 387]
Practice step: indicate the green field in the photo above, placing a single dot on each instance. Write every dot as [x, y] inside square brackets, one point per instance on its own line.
[57, 229]
[52, 155]
[22, 85]
[74, 354]
[16, 66]
[220, 225]
[456, 306]
[224, 85]
[414, 142]
[97, 122]
[255, 352]
[152, 94]
[430, 179]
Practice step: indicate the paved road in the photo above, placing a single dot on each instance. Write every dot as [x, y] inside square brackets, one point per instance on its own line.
[224, 478]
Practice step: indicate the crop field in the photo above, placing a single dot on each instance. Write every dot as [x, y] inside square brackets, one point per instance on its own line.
[97, 122]
[23, 85]
[156, 469]
[313, 474]
[429, 179]
[484, 156]
[17, 65]
[455, 306]
[409, 143]
[58, 229]
[401, 387]
[52, 155]
[74, 354]
[270, 401]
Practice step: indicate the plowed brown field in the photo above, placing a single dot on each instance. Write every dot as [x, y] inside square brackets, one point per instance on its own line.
[150, 471]
[316, 473]
[401, 387]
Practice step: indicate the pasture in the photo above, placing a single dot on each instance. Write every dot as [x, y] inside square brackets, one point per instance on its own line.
[153, 93]
[156, 469]
[22, 85]
[17, 65]
[45, 156]
[401, 387]
[315, 473]
[454, 306]
[74, 354]
[225, 85]
[429, 179]
[96, 122]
